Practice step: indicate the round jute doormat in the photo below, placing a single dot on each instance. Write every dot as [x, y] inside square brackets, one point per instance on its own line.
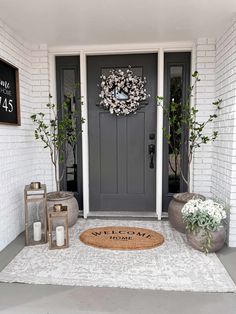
[122, 238]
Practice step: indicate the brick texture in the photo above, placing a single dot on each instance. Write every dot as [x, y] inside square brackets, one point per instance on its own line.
[224, 149]
[214, 169]
[204, 96]
[22, 160]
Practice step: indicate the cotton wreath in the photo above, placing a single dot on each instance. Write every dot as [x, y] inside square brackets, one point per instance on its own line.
[122, 92]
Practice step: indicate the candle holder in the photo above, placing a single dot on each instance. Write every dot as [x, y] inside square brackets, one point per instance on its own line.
[35, 213]
[35, 185]
[58, 234]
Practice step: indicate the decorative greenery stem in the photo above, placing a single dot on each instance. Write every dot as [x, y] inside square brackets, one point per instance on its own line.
[56, 134]
[182, 117]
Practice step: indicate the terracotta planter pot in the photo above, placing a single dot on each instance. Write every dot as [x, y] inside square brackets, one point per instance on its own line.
[218, 239]
[66, 199]
[175, 206]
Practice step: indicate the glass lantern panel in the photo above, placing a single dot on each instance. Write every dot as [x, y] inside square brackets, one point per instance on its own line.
[36, 224]
[58, 231]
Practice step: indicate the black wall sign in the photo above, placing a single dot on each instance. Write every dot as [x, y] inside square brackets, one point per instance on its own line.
[9, 94]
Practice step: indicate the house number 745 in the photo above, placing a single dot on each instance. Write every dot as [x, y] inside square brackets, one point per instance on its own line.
[6, 104]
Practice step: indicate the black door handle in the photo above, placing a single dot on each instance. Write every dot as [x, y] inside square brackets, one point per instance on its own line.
[151, 152]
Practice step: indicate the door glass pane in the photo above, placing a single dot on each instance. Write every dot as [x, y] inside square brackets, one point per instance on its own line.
[71, 161]
[176, 93]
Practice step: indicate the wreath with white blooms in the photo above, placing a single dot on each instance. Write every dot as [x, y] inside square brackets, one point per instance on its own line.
[122, 92]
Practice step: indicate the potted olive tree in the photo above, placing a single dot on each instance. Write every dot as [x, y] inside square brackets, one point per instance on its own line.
[182, 117]
[57, 136]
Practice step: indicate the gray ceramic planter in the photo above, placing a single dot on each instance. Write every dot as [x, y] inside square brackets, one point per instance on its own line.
[174, 211]
[218, 239]
[66, 199]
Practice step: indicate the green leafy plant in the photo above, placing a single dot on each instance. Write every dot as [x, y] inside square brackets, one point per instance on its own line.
[182, 117]
[56, 134]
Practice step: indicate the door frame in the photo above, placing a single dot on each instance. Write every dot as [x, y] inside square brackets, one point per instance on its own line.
[72, 63]
[182, 60]
[83, 52]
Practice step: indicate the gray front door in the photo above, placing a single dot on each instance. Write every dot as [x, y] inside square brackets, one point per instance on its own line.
[122, 176]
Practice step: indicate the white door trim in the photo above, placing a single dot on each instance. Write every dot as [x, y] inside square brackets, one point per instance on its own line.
[83, 52]
[85, 137]
[159, 132]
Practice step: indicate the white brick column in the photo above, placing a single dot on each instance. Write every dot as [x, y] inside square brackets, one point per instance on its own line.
[224, 149]
[40, 97]
[205, 95]
[215, 163]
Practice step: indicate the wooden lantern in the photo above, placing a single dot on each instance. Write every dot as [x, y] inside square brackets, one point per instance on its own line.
[35, 213]
[58, 234]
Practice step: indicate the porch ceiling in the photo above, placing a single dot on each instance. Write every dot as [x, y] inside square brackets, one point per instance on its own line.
[90, 22]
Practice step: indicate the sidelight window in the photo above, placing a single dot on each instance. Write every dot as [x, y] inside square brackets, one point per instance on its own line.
[176, 90]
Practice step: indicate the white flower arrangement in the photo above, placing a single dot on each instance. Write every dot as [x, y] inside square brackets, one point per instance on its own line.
[206, 214]
[128, 86]
[204, 217]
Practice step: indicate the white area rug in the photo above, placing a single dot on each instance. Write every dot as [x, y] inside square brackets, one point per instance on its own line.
[171, 266]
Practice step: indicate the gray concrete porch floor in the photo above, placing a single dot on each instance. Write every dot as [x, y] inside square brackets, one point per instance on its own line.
[46, 299]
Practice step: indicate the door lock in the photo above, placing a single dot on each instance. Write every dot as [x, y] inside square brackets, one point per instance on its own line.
[151, 152]
[152, 136]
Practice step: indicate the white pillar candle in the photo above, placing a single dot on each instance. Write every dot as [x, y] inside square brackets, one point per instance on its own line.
[37, 231]
[60, 235]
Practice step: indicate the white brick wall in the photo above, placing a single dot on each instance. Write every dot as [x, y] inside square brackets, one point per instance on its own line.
[22, 160]
[214, 167]
[224, 149]
[40, 97]
[204, 96]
